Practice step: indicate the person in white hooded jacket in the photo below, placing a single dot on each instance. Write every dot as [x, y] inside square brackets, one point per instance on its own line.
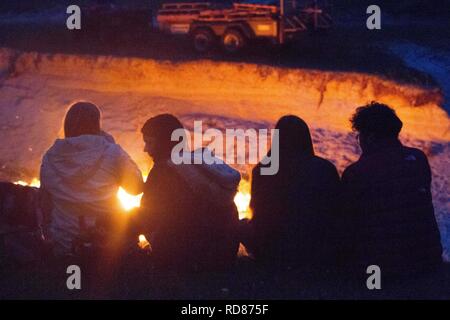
[80, 176]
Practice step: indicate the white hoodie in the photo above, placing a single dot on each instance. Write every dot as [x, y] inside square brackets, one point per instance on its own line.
[82, 174]
[217, 181]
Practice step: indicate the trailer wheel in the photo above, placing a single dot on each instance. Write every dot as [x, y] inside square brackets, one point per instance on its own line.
[233, 41]
[203, 40]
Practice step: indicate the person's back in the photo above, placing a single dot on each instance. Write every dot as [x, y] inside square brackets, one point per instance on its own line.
[188, 207]
[389, 207]
[80, 176]
[294, 210]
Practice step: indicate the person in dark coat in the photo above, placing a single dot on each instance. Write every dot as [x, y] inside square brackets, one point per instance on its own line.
[188, 208]
[388, 206]
[293, 210]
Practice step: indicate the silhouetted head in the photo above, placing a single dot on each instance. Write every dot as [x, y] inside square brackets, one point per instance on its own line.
[82, 118]
[157, 133]
[295, 138]
[375, 122]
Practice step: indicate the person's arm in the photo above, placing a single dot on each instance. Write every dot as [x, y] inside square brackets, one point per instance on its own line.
[164, 200]
[348, 228]
[425, 169]
[347, 193]
[249, 231]
[44, 212]
[331, 197]
[45, 201]
[130, 177]
[45, 205]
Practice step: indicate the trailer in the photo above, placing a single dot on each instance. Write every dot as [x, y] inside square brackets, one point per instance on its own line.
[233, 27]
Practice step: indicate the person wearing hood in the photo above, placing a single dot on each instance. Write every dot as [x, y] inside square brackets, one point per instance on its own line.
[188, 208]
[294, 211]
[80, 176]
[388, 203]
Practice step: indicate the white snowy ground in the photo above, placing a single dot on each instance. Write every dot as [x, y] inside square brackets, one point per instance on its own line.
[434, 61]
[36, 89]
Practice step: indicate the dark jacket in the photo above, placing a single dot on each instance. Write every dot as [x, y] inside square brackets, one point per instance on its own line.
[294, 212]
[190, 211]
[389, 212]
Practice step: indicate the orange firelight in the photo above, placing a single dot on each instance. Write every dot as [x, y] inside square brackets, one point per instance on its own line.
[143, 242]
[130, 202]
[242, 200]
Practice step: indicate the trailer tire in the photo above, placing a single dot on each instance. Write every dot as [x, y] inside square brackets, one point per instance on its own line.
[233, 41]
[203, 40]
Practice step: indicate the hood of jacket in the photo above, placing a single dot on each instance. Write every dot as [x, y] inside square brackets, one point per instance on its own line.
[81, 169]
[76, 159]
[217, 181]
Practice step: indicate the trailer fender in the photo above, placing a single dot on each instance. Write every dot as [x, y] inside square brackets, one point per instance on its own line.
[243, 27]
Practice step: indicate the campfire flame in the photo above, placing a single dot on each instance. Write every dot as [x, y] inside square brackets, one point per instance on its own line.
[35, 183]
[242, 200]
[130, 202]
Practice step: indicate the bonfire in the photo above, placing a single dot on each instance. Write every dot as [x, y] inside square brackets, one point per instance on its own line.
[130, 202]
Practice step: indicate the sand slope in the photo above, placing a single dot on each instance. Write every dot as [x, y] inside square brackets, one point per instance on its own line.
[35, 90]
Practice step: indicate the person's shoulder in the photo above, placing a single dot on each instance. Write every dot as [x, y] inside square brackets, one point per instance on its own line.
[164, 179]
[256, 169]
[113, 149]
[168, 171]
[258, 173]
[52, 150]
[324, 163]
[414, 154]
[324, 168]
[351, 170]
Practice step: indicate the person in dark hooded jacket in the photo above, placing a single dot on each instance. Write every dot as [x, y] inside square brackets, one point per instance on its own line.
[388, 204]
[188, 208]
[294, 209]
